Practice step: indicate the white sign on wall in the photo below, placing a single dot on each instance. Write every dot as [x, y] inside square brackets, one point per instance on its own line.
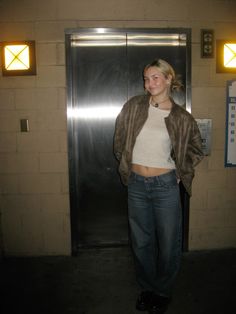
[230, 149]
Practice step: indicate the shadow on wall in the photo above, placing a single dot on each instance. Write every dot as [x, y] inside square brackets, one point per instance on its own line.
[1, 242]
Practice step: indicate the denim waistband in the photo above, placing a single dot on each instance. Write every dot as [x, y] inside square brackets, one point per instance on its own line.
[138, 177]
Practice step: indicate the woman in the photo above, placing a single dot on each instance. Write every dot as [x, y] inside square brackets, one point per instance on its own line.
[157, 143]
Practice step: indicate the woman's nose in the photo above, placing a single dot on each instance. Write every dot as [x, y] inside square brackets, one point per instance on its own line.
[151, 83]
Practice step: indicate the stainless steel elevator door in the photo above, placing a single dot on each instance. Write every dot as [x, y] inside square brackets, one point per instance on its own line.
[104, 69]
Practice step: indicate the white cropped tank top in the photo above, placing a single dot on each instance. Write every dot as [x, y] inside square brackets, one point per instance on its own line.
[153, 147]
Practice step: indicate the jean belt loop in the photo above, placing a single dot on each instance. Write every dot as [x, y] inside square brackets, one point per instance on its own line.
[157, 179]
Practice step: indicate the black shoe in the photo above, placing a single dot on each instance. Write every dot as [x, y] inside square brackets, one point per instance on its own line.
[159, 304]
[144, 301]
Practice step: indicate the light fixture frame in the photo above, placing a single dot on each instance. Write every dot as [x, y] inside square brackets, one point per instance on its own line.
[220, 68]
[32, 59]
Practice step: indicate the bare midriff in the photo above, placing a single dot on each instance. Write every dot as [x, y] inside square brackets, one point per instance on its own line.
[149, 171]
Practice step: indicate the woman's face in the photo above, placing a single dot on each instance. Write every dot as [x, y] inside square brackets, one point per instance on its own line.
[155, 82]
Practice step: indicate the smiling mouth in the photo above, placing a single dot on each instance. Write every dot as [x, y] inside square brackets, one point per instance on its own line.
[153, 89]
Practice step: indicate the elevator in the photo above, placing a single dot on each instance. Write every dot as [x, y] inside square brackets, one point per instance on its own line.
[104, 69]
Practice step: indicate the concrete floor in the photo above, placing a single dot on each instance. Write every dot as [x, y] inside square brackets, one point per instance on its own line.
[101, 281]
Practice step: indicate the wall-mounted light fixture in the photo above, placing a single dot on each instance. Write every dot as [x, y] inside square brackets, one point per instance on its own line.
[18, 58]
[226, 56]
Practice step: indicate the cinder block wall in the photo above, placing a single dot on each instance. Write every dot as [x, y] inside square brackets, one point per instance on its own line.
[35, 213]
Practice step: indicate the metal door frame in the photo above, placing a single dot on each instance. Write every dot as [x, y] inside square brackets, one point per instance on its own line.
[70, 126]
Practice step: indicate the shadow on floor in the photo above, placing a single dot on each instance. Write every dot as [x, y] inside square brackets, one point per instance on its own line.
[101, 281]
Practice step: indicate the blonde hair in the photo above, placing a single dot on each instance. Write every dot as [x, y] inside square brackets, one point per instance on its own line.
[166, 69]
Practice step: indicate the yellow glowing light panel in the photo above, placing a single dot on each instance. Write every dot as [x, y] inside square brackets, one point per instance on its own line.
[230, 55]
[17, 57]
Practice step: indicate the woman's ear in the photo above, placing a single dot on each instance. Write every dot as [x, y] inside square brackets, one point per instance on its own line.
[169, 79]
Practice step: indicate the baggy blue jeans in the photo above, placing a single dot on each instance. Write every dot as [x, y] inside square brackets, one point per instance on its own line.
[155, 221]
